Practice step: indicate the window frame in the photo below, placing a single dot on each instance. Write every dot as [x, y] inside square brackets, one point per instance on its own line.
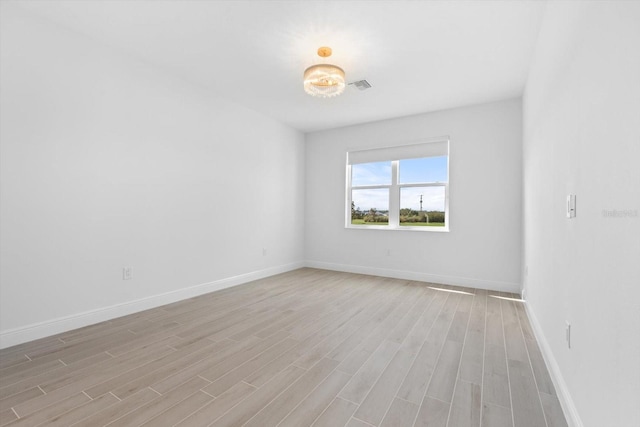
[395, 189]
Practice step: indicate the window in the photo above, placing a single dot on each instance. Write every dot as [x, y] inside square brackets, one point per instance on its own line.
[399, 188]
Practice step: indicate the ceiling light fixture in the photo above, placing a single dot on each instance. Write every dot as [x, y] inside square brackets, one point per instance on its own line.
[324, 80]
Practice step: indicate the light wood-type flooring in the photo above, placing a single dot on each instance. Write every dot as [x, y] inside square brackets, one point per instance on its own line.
[308, 347]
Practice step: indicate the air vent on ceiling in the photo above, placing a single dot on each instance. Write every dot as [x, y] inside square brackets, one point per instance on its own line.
[361, 84]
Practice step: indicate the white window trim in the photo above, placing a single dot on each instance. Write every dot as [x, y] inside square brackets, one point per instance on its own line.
[394, 192]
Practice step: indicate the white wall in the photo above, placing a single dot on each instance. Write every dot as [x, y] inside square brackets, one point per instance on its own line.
[483, 248]
[109, 162]
[582, 136]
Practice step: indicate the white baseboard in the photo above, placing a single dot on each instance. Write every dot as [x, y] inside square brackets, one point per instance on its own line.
[490, 285]
[35, 331]
[568, 407]
[43, 329]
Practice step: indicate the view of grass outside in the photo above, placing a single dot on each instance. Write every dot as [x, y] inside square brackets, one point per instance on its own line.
[373, 216]
[363, 222]
[408, 217]
[411, 204]
[411, 218]
[421, 183]
[377, 202]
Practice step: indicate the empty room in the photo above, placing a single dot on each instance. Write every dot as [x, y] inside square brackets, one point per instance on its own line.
[320, 213]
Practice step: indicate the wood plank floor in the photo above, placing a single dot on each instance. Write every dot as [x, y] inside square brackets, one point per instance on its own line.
[309, 347]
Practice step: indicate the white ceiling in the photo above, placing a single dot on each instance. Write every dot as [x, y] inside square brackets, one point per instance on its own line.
[419, 56]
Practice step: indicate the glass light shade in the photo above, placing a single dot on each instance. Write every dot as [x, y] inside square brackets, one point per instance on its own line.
[324, 80]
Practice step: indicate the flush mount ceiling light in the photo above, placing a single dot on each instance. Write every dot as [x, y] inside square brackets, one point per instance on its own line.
[324, 80]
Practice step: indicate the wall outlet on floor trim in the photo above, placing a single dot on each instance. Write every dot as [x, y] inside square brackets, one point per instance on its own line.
[127, 273]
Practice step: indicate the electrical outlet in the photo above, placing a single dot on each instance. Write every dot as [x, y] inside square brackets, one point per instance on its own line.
[127, 273]
[571, 206]
[567, 333]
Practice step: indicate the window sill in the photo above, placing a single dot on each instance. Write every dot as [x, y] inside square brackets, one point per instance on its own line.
[402, 228]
